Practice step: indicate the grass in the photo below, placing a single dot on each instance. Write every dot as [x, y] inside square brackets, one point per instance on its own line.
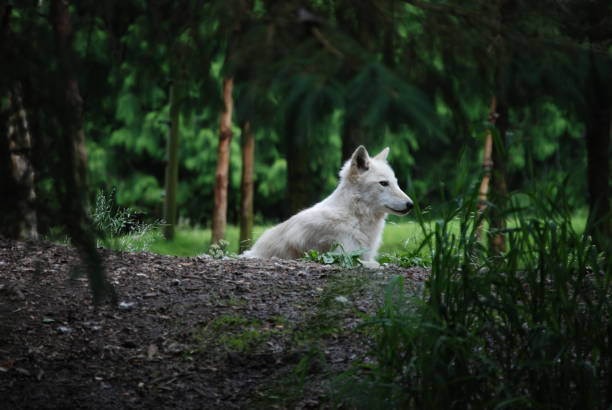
[195, 241]
[400, 238]
[404, 242]
[518, 330]
[186, 242]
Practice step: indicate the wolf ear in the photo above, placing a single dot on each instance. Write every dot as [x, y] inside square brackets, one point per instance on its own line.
[382, 155]
[360, 159]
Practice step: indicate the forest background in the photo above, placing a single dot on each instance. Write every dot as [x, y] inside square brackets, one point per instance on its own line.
[202, 113]
[124, 97]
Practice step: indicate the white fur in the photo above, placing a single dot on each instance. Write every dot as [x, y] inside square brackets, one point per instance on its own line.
[352, 216]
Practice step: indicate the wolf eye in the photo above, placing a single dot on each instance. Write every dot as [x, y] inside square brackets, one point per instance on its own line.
[384, 183]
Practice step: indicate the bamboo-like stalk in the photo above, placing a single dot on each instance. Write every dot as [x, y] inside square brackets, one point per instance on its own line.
[487, 166]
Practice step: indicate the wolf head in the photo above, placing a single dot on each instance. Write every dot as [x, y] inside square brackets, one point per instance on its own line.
[373, 182]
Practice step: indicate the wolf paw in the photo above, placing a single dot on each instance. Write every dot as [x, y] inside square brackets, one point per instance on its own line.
[370, 264]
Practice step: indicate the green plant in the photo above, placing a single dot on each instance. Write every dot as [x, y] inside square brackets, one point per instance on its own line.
[337, 256]
[525, 329]
[119, 229]
[219, 250]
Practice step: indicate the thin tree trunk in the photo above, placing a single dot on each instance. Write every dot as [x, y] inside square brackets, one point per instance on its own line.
[499, 187]
[246, 187]
[487, 165]
[223, 153]
[172, 163]
[71, 112]
[72, 169]
[300, 176]
[502, 80]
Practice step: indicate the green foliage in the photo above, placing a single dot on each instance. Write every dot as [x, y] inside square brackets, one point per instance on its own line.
[218, 250]
[336, 256]
[118, 227]
[517, 330]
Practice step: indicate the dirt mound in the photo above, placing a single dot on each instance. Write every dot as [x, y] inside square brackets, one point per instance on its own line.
[188, 333]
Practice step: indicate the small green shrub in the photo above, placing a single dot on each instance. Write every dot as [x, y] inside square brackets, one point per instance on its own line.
[219, 250]
[119, 229]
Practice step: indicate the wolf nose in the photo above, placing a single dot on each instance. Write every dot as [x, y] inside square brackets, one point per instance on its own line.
[409, 205]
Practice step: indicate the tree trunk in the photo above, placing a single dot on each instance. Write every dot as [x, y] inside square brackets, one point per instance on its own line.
[598, 171]
[352, 137]
[17, 178]
[299, 175]
[22, 170]
[172, 163]
[598, 130]
[72, 168]
[246, 187]
[223, 153]
[10, 214]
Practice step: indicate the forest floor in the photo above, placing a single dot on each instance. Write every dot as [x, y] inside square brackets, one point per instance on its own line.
[188, 333]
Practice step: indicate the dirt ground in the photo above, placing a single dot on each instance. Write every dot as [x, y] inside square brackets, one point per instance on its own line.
[188, 333]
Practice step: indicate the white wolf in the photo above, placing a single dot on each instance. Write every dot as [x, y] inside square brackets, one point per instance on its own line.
[353, 216]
